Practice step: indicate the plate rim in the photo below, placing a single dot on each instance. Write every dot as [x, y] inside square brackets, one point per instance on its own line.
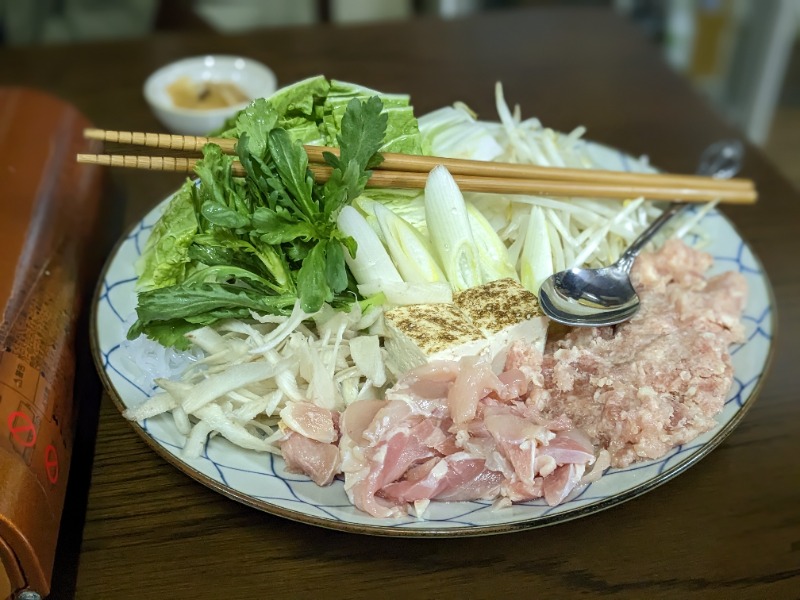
[389, 530]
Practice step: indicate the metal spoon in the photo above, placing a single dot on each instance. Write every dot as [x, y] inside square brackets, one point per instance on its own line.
[595, 297]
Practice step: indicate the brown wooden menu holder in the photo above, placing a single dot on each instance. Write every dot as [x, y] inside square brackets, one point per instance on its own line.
[49, 208]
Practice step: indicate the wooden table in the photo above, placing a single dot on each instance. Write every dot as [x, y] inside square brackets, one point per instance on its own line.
[727, 528]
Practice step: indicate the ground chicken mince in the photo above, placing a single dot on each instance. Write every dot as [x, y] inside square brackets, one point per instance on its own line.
[643, 387]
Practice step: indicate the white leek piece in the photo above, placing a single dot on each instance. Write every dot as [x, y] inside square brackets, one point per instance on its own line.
[371, 263]
[537, 254]
[366, 207]
[492, 252]
[410, 252]
[399, 293]
[449, 230]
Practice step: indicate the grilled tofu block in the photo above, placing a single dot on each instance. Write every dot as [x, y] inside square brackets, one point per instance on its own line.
[418, 333]
[485, 319]
[504, 311]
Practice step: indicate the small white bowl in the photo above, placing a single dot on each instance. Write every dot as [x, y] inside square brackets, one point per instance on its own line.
[253, 78]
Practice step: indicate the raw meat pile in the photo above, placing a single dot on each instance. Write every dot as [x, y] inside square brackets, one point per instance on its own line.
[454, 431]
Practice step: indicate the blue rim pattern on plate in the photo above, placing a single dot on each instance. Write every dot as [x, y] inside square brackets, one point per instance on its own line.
[259, 480]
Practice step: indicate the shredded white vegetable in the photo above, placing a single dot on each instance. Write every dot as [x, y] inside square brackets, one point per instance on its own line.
[252, 371]
[579, 231]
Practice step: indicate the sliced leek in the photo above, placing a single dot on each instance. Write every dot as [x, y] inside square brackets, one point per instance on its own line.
[401, 293]
[410, 252]
[372, 263]
[537, 255]
[492, 252]
[449, 230]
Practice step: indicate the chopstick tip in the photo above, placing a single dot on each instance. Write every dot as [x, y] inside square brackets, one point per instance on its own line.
[91, 133]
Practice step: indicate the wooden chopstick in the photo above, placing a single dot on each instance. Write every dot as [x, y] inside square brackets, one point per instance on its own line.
[534, 187]
[467, 183]
[149, 163]
[424, 164]
[186, 143]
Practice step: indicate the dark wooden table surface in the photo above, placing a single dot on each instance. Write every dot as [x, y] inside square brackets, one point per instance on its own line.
[727, 528]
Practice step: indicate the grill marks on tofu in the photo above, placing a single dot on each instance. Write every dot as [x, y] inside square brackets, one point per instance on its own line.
[434, 327]
[506, 313]
[485, 319]
[498, 304]
[418, 333]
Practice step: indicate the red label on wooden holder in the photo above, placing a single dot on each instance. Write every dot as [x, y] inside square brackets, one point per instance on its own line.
[28, 428]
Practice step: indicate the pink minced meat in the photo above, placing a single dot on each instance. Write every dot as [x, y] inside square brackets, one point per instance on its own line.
[659, 380]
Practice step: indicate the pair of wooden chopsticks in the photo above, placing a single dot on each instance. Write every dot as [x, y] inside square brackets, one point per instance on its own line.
[411, 171]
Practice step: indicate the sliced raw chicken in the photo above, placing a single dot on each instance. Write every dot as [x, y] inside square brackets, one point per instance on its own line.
[311, 421]
[318, 460]
[455, 432]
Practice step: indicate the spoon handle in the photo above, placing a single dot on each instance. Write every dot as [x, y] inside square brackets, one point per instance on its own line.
[722, 159]
[626, 259]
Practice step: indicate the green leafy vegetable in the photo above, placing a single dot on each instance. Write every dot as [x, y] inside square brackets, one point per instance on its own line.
[312, 282]
[232, 245]
[335, 269]
[291, 163]
[194, 300]
[363, 128]
[278, 227]
[166, 253]
[255, 121]
[167, 314]
[311, 111]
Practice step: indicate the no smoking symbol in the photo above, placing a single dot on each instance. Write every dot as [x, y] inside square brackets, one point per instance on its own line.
[22, 429]
[51, 463]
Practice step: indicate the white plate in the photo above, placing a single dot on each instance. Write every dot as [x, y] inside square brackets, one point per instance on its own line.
[259, 480]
